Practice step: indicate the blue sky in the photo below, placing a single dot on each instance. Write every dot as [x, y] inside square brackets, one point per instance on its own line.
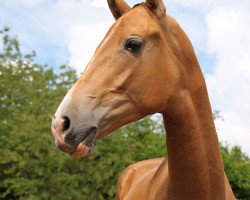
[63, 31]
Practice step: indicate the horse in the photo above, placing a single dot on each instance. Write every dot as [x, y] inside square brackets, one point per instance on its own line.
[144, 65]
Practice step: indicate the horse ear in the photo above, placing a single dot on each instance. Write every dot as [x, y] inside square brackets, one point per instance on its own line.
[118, 7]
[157, 6]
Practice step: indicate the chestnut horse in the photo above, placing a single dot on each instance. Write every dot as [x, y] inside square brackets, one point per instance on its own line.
[145, 65]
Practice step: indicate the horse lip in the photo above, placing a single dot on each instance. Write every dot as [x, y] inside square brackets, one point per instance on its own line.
[88, 141]
[90, 136]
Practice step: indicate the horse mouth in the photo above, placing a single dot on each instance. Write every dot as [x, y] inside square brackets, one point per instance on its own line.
[86, 146]
[83, 151]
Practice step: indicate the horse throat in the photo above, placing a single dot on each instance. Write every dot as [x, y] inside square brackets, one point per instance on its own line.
[194, 161]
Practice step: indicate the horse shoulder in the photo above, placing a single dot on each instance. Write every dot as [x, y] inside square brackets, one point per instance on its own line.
[134, 182]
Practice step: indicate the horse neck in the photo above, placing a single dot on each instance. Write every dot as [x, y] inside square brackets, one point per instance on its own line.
[195, 164]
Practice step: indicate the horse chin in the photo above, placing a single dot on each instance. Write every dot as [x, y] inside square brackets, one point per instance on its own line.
[86, 147]
[83, 150]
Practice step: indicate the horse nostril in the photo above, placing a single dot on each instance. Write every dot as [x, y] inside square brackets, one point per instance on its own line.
[66, 123]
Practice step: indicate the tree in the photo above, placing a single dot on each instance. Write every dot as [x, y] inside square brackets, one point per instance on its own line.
[237, 167]
[29, 94]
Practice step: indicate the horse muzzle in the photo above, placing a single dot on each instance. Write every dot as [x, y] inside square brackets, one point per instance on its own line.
[75, 140]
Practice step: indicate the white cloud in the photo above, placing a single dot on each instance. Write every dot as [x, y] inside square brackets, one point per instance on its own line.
[229, 86]
[83, 40]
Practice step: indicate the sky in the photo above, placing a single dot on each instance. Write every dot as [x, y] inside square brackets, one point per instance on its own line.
[68, 31]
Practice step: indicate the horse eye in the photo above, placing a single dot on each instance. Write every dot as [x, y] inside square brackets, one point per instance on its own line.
[133, 45]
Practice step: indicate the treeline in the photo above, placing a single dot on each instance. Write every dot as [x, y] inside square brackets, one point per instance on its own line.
[30, 165]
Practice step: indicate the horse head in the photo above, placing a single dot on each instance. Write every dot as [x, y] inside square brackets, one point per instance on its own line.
[135, 71]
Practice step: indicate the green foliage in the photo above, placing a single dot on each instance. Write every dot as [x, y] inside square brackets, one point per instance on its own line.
[237, 167]
[30, 165]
